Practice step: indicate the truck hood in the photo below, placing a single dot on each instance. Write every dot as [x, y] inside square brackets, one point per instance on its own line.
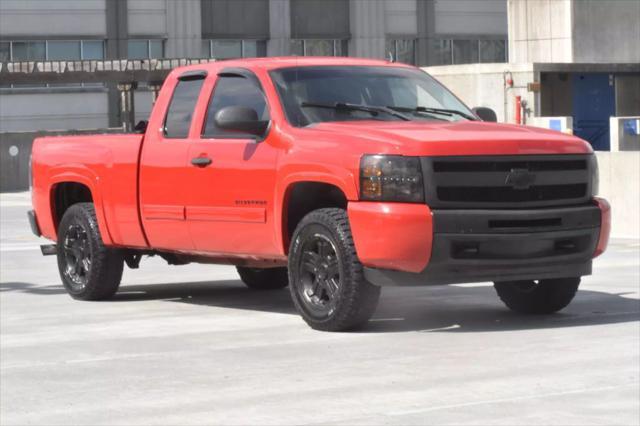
[454, 138]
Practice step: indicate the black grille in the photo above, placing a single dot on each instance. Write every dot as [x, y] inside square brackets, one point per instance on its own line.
[507, 181]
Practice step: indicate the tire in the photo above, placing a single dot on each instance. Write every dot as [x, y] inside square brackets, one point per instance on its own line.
[264, 278]
[88, 269]
[326, 278]
[537, 297]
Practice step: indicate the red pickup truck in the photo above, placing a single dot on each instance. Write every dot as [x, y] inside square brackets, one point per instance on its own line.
[334, 176]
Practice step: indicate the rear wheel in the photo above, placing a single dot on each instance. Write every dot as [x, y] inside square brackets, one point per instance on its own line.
[327, 283]
[89, 270]
[263, 278]
[537, 297]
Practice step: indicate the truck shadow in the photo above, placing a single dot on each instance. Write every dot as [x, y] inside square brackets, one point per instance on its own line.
[422, 309]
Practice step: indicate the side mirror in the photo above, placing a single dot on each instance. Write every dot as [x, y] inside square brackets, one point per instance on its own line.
[141, 127]
[485, 114]
[240, 119]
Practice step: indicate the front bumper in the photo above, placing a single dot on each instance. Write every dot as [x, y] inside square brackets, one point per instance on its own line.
[425, 247]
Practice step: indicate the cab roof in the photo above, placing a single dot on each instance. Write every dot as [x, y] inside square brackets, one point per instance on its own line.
[272, 63]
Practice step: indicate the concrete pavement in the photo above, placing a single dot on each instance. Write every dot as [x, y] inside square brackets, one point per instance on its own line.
[192, 345]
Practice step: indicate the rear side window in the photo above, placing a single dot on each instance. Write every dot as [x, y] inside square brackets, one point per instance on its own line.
[234, 91]
[180, 111]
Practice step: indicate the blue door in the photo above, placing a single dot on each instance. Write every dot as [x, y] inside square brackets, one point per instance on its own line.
[593, 104]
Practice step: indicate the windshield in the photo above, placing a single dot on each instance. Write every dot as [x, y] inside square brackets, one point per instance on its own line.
[349, 93]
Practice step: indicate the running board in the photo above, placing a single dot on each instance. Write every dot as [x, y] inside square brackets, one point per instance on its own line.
[49, 249]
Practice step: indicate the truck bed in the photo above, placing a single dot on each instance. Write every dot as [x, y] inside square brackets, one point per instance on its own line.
[107, 165]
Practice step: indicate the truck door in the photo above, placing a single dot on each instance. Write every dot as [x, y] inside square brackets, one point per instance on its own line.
[164, 166]
[232, 180]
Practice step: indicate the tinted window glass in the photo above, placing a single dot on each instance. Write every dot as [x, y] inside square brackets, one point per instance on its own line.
[93, 49]
[29, 51]
[138, 49]
[465, 51]
[234, 91]
[394, 87]
[63, 50]
[181, 108]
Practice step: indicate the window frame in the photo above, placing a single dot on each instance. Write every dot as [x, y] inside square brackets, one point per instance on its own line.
[186, 76]
[260, 44]
[397, 38]
[148, 47]
[336, 44]
[242, 73]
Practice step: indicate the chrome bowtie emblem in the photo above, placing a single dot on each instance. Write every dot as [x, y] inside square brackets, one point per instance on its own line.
[520, 178]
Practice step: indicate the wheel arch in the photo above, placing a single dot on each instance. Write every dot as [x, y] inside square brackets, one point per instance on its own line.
[301, 196]
[67, 189]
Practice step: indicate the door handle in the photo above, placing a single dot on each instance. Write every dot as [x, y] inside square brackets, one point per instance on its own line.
[201, 161]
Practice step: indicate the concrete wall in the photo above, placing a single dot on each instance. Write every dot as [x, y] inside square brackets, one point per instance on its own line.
[483, 85]
[540, 31]
[25, 111]
[581, 31]
[606, 31]
[147, 18]
[15, 151]
[620, 184]
[473, 17]
[50, 18]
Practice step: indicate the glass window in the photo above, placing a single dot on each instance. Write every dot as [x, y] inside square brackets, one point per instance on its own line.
[250, 49]
[63, 50]
[318, 48]
[297, 47]
[206, 49]
[226, 49]
[29, 51]
[493, 51]
[5, 52]
[234, 91]
[138, 49]
[406, 51]
[180, 112]
[401, 50]
[394, 87]
[465, 51]
[156, 49]
[440, 53]
[93, 49]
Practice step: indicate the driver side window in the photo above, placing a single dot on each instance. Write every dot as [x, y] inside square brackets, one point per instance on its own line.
[232, 90]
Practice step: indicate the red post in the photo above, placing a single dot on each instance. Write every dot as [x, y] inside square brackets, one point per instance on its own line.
[518, 109]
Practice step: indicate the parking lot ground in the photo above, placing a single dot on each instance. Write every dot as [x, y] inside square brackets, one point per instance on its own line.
[192, 345]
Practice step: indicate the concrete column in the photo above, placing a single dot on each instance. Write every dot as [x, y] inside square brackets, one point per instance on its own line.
[279, 28]
[116, 48]
[155, 87]
[367, 28]
[426, 17]
[127, 109]
[184, 29]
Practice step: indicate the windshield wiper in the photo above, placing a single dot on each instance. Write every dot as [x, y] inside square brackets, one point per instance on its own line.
[440, 111]
[374, 110]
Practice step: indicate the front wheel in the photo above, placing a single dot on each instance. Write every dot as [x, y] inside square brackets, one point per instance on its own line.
[537, 297]
[326, 278]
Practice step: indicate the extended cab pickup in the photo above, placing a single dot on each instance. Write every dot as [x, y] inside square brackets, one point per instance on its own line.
[334, 176]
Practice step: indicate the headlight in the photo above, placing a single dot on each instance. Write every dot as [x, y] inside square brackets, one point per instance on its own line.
[595, 179]
[391, 178]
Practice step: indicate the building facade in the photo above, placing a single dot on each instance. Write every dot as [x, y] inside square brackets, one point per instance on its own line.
[420, 32]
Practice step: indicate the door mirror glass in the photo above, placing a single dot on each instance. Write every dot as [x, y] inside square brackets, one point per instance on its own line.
[486, 114]
[240, 119]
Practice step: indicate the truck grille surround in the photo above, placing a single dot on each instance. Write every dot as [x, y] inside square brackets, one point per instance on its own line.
[507, 181]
